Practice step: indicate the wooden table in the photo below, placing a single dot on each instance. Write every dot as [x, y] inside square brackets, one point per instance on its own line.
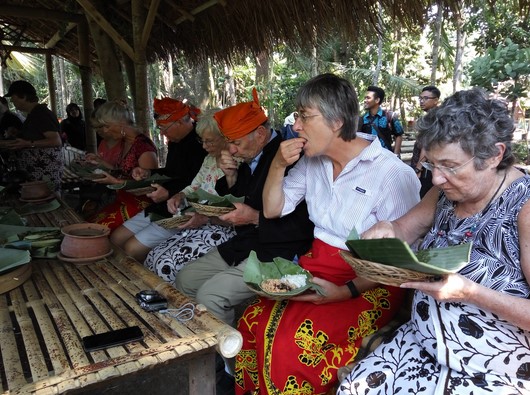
[43, 320]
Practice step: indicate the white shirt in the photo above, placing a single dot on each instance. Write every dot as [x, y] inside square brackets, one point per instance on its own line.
[374, 186]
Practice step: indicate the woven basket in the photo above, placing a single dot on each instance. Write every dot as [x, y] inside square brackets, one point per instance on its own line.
[173, 222]
[384, 274]
[210, 211]
[141, 191]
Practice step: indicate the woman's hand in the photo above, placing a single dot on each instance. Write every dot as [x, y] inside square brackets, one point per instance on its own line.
[140, 174]
[450, 288]
[160, 194]
[196, 220]
[332, 293]
[380, 230]
[92, 158]
[242, 215]
[108, 179]
[173, 203]
[16, 144]
[289, 152]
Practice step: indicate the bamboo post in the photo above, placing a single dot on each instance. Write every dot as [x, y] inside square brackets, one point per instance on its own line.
[86, 84]
[51, 83]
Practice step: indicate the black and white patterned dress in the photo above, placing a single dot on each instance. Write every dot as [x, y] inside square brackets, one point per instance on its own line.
[170, 256]
[457, 348]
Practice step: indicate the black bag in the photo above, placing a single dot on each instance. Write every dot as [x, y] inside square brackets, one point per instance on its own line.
[384, 134]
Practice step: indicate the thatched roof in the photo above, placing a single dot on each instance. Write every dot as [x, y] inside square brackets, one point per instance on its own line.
[219, 29]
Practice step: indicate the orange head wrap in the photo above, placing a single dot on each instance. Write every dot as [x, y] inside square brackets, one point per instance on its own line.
[239, 120]
[170, 110]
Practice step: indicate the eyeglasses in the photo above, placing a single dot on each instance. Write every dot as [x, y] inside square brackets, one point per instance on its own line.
[425, 98]
[449, 171]
[162, 128]
[208, 143]
[303, 117]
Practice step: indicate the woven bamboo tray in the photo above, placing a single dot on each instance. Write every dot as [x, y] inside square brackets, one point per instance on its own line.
[141, 191]
[210, 211]
[384, 274]
[173, 222]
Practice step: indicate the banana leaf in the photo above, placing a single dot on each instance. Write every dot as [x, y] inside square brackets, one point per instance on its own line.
[84, 170]
[153, 179]
[397, 253]
[9, 216]
[256, 272]
[203, 197]
[43, 242]
[34, 208]
[10, 259]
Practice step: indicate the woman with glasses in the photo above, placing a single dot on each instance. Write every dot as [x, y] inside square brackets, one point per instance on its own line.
[201, 233]
[348, 180]
[469, 332]
[167, 250]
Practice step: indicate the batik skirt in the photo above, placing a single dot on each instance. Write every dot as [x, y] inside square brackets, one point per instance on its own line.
[297, 347]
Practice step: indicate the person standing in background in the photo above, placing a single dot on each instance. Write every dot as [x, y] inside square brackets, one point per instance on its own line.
[10, 124]
[73, 127]
[381, 123]
[38, 144]
[429, 98]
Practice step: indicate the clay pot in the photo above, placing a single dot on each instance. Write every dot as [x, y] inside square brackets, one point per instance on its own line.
[35, 190]
[85, 240]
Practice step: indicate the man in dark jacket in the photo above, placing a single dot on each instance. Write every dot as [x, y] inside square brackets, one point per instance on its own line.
[176, 121]
[216, 279]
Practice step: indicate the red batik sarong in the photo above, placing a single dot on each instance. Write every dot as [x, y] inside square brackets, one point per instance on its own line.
[297, 347]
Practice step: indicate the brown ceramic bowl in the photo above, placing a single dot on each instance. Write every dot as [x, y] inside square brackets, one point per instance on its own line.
[34, 190]
[85, 240]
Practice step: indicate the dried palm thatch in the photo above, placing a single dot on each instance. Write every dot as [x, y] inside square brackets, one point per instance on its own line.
[200, 29]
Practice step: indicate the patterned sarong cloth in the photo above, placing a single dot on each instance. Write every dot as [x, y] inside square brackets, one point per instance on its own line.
[42, 164]
[124, 207]
[297, 347]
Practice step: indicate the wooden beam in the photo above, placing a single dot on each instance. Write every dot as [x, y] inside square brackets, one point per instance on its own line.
[40, 13]
[199, 9]
[149, 21]
[18, 48]
[59, 35]
[107, 27]
[51, 83]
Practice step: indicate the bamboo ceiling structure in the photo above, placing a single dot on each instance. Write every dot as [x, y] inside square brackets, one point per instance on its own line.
[144, 31]
[219, 29]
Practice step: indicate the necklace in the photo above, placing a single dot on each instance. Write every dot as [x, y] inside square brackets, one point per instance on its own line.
[455, 237]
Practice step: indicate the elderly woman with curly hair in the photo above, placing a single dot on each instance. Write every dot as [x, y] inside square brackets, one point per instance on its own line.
[469, 332]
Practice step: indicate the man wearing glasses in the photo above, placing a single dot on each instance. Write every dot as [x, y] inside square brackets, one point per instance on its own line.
[175, 121]
[216, 279]
[429, 98]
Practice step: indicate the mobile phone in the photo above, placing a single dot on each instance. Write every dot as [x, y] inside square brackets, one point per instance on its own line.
[112, 338]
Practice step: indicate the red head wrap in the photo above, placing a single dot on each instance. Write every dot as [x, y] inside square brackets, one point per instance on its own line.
[170, 110]
[239, 120]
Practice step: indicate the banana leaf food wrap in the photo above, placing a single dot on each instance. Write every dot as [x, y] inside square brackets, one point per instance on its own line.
[257, 274]
[40, 242]
[397, 253]
[200, 196]
[11, 259]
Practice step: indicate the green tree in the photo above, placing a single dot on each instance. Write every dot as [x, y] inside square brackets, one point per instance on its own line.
[504, 70]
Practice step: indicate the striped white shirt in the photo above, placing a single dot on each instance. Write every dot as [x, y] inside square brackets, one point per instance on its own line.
[374, 186]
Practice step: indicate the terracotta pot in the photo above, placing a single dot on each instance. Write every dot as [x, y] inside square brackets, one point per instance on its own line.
[35, 190]
[85, 240]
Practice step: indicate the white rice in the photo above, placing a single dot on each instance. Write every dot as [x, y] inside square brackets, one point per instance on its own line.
[297, 280]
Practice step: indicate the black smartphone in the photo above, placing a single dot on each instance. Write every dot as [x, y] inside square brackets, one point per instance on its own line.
[112, 338]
